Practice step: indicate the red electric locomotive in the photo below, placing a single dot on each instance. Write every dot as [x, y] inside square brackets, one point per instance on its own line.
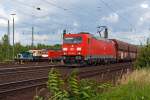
[84, 48]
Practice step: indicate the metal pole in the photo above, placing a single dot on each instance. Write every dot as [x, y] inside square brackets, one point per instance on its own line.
[8, 35]
[8, 32]
[13, 38]
[32, 37]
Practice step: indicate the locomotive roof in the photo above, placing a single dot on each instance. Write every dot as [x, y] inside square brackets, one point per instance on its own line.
[78, 33]
[84, 33]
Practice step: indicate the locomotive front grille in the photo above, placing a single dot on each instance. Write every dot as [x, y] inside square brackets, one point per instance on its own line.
[78, 57]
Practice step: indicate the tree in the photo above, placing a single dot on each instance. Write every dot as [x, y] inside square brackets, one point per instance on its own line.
[143, 59]
[5, 40]
[5, 48]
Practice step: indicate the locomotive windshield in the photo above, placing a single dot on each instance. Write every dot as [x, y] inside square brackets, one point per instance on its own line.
[73, 40]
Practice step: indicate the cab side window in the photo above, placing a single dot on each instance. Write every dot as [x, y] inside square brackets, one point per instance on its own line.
[88, 40]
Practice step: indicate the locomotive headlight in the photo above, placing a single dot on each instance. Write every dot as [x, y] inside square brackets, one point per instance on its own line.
[79, 49]
[65, 49]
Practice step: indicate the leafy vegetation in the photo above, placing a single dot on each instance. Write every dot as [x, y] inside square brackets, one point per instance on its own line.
[55, 86]
[73, 89]
[6, 50]
[134, 86]
[130, 91]
[143, 59]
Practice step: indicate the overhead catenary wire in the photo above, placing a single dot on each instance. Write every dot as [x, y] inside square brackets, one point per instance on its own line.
[69, 11]
[134, 28]
[33, 15]
[65, 9]
[32, 6]
[53, 4]
[112, 9]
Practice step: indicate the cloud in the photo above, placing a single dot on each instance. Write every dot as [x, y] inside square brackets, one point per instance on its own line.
[42, 37]
[3, 22]
[144, 18]
[113, 18]
[75, 24]
[3, 12]
[3, 17]
[131, 37]
[38, 38]
[144, 5]
[78, 16]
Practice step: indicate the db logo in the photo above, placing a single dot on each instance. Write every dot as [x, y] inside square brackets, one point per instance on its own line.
[72, 49]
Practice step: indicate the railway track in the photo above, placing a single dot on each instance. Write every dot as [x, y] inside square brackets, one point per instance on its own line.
[104, 69]
[29, 64]
[24, 84]
[38, 76]
[22, 69]
[21, 73]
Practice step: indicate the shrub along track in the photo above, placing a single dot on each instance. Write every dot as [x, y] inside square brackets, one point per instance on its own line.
[21, 78]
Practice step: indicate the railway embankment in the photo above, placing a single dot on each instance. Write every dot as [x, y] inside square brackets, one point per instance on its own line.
[133, 86]
[22, 83]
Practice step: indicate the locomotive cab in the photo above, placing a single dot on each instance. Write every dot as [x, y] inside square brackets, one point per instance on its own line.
[74, 48]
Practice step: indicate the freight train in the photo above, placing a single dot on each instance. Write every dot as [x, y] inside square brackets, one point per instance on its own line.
[84, 48]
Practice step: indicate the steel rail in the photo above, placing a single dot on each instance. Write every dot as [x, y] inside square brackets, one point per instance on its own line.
[24, 84]
[18, 85]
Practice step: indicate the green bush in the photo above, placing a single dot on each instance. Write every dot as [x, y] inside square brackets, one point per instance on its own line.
[55, 86]
[73, 89]
[143, 59]
[135, 87]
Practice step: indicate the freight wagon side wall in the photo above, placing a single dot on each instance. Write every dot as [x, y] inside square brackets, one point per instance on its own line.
[125, 51]
[133, 51]
[122, 50]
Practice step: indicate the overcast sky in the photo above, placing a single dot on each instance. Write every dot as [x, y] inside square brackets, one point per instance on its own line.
[127, 20]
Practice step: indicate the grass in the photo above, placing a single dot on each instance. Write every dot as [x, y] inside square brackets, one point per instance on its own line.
[134, 86]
